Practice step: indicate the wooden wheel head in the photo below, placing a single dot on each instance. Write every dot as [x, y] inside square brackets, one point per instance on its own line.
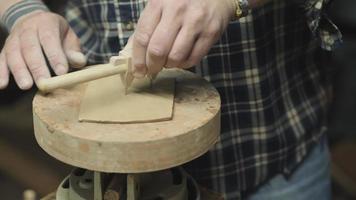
[130, 148]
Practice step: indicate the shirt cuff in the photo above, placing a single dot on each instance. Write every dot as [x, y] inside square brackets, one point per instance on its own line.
[14, 12]
[320, 25]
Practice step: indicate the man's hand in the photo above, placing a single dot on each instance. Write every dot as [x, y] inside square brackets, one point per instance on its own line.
[177, 33]
[33, 37]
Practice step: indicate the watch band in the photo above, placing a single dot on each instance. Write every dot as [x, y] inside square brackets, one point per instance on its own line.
[241, 9]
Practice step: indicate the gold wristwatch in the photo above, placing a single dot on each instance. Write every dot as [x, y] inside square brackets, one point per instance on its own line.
[241, 9]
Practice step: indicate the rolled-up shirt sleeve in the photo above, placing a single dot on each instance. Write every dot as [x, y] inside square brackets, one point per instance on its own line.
[320, 24]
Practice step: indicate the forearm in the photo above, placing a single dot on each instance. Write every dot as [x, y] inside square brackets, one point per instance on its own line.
[5, 4]
[11, 11]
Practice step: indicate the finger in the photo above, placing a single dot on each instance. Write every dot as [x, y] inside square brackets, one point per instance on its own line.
[200, 49]
[161, 42]
[145, 28]
[182, 48]
[51, 43]
[206, 40]
[4, 72]
[16, 63]
[33, 56]
[71, 45]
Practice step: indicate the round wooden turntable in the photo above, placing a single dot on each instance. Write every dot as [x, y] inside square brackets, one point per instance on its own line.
[130, 148]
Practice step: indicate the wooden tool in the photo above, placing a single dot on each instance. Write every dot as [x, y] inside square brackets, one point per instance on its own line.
[91, 73]
[118, 65]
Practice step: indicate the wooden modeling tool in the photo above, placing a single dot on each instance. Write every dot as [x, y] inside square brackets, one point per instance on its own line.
[118, 65]
[91, 73]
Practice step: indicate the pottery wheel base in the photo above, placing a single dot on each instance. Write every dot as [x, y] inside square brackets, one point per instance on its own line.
[172, 184]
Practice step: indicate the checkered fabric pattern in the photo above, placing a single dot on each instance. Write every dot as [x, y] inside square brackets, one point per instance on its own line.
[267, 69]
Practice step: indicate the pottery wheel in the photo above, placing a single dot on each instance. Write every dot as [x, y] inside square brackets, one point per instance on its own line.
[130, 148]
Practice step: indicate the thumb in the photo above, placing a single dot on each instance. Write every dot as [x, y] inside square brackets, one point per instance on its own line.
[71, 45]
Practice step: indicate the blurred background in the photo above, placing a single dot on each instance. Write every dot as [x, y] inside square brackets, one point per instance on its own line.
[23, 165]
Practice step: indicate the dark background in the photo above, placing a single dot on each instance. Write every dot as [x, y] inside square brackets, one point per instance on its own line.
[23, 165]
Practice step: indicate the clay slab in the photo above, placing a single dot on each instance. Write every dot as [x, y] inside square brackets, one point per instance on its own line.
[105, 101]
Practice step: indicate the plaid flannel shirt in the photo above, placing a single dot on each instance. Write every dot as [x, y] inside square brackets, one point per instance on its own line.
[266, 67]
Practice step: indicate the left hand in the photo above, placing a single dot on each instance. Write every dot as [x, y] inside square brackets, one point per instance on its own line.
[177, 33]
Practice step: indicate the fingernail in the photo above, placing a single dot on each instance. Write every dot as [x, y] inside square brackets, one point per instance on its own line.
[137, 74]
[2, 84]
[139, 71]
[61, 69]
[25, 84]
[76, 58]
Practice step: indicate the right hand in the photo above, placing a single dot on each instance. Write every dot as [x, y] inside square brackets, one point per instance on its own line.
[34, 36]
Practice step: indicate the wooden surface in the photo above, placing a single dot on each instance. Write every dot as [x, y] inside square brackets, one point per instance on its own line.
[105, 100]
[343, 165]
[130, 148]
